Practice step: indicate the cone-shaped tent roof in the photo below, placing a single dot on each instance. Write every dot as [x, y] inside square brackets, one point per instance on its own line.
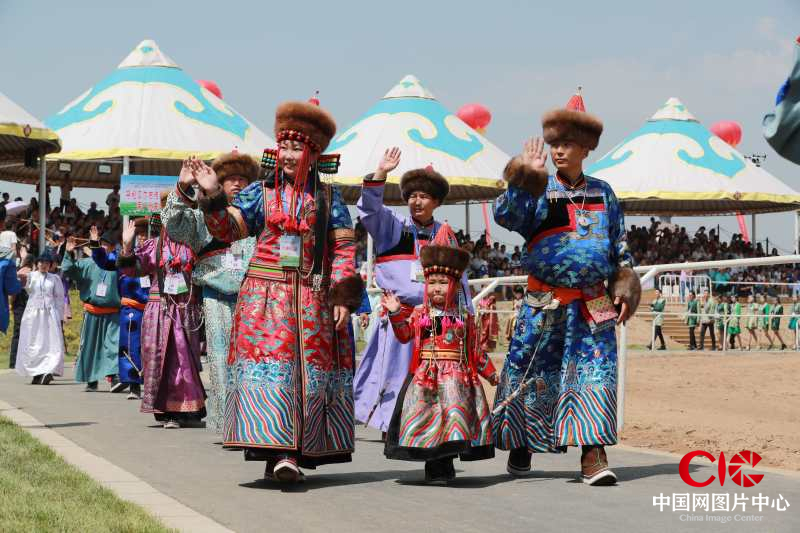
[673, 165]
[20, 131]
[428, 134]
[150, 110]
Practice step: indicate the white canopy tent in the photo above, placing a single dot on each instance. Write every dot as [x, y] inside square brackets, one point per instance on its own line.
[411, 118]
[674, 166]
[24, 139]
[144, 118]
[427, 133]
[20, 132]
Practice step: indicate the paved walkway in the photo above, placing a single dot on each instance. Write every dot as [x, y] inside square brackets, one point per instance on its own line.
[372, 493]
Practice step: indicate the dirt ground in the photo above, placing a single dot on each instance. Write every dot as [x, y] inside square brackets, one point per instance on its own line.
[684, 401]
[680, 402]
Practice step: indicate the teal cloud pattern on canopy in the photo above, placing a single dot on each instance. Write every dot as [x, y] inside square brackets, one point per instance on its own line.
[209, 114]
[710, 160]
[429, 110]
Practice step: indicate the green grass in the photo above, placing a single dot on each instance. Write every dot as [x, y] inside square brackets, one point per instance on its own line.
[72, 332]
[40, 492]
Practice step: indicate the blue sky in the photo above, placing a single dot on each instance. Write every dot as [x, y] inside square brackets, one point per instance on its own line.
[724, 60]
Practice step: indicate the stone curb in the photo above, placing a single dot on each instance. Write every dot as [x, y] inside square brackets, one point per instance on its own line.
[125, 485]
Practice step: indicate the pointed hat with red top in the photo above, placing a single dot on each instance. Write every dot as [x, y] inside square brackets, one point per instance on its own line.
[572, 123]
[576, 101]
[444, 255]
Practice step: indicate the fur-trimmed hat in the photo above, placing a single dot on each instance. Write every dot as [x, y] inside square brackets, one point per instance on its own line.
[571, 125]
[236, 164]
[443, 255]
[306, 122]
[437, 259]
[426, 180]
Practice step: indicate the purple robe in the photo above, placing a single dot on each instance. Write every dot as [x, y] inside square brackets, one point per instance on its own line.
[170, 342]
[385, 362]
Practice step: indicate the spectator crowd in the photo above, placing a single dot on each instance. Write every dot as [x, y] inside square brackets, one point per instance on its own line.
[658, 243]
[67, 219]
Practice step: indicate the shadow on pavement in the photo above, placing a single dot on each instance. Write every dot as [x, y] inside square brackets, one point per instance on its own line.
[375, 441]
[69, 425]
[624, 473]
[321, 481]
[471, 482]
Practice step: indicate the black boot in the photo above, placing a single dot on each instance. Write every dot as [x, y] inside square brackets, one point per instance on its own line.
[117, 385]
[449, 469]
[436, 472]
[136, 392]
[519, 462]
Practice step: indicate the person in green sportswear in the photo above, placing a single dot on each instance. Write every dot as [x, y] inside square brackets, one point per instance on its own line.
[692, 318]
[657, 306]
[775, 314]
[794, 321]
[721, 317]
[734, 322]
[708, 310]
[752, 322]
[763, 319]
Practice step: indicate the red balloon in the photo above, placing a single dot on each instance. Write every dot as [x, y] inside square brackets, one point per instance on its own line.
[211, 87]
[476, 116]
[728, 131]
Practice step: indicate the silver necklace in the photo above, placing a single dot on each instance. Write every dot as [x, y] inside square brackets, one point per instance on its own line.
[580, 213]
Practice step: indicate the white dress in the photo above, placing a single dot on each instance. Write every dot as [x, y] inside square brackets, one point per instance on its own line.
[41, 339]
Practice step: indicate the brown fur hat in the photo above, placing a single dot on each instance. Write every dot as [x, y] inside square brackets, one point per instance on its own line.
[436, 259]
[315, 125]
[426, 180]
[236, 164]
[568, 124]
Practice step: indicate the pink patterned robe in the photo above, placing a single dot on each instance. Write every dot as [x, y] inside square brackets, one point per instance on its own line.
[170, 339]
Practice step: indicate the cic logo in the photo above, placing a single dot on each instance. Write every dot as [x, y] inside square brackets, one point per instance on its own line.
[734, 469]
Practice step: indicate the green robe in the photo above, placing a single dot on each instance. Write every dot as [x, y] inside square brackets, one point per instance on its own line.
[723, 310]
[734, 320]
[763, 321]
[657, 306]
[99, 343]
[752, 320]
[692, 308]
[776, 313]
[795, 316]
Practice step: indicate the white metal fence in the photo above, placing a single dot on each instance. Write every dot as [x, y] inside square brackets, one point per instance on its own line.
[648, 275]
[675, 289]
